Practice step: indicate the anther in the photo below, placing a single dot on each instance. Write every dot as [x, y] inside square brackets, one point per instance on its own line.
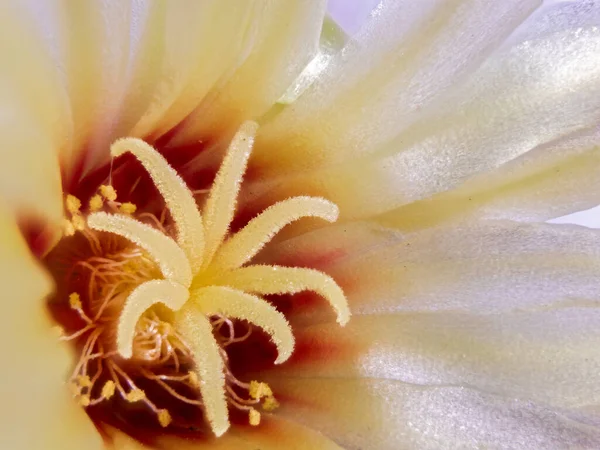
[78, 222]
[135, 395]
[73, 204]
[68, 228]
[108, 390]
[254, 417]
[127, 208]
[84, 381]
[96, 203]
[164, 418]
[259, 390]
[75, 301]
[270, 404]
[108, 192]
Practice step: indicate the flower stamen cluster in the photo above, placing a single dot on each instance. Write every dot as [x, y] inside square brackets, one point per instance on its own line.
[170, 297]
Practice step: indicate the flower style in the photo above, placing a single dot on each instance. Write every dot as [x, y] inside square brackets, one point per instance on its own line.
[162, 291]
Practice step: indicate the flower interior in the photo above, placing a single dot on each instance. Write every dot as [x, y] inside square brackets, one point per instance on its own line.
[152, 302]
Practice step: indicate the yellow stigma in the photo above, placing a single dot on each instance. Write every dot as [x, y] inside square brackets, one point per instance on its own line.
[204, 273]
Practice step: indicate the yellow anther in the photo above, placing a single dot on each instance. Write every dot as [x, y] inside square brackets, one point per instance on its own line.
[108, 390]
[108, 192]
[96, 203]
[75, 300]
[193, 378]
[164, 418]
[259, 390]
[270, 404]
[127, 208]
[84, 400]
[84, 381]
[254, 417]
[78, 222]
[135, 395]
[68, 228]
[73, 204]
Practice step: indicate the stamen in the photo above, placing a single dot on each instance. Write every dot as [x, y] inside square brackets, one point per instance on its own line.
[173, 295]
[108, 192]
[254, 417]
[238, 304]
[270, 404]
[73, 204]
[259, 390]
[108, 390]
[196, 329]
[96, 203]
[68, 228]
[246, 243]
[266, 280]
[221, 203]
[78, 222]
[162, 249]
[177, 196]
[127, 208]
[164, 418]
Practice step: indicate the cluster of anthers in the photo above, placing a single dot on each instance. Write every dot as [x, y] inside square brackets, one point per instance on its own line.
[170, 300]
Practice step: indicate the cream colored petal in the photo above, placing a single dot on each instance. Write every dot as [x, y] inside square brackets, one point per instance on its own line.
[283, 38]
[32, 118]
[96, 48]
[550, 356]
[204, 41]
[113, 52]
[488, 267]
[391, 415]
[38, 411]
[273, 433]
[550, 181]
[527, 94]
[402, 61]
[29, 174]
[29, 74]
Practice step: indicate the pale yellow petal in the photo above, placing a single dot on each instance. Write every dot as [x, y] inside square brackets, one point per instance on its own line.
[538, 88]
[552, 180]
[391, 415]
[29, 174]
[38, 411]
[284, 38]
[204, 41]
[399, 64]
[32, 118]
[113, 54]
[549, 356]
[29, 75]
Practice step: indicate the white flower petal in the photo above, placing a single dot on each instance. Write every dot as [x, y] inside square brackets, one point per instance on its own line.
[391, 415]
[398, 64]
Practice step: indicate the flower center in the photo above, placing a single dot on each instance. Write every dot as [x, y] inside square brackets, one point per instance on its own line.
[153, 306]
